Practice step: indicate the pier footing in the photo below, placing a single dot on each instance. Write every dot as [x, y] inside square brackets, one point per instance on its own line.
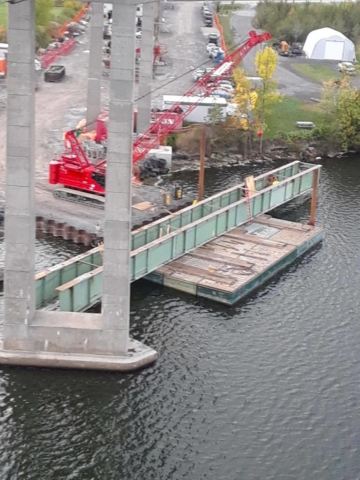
[72, 340]
[138, 356]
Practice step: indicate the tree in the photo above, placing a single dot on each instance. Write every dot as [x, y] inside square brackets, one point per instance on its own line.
[241, 99]
[297, 30]
[43, 11]
[266, 62]
[341, 104]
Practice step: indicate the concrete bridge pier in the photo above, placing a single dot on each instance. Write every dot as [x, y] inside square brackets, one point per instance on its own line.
[95, 65]
[146, 67]
[64, 339]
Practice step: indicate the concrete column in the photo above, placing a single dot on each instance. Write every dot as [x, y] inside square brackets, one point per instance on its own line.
[117, 225]
[95, 64]
[146, 67]
[20, 167]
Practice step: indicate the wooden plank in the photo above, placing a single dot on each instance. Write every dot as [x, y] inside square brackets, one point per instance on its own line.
[255, 239]
[250, 185]
[200, 272]
[211, 249]
[143, 206]
[282, 224]
[222, 259]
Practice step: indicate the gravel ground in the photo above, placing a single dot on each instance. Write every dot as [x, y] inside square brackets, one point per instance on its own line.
[60, 106]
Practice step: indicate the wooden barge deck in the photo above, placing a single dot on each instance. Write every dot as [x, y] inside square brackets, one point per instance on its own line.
[233, 265]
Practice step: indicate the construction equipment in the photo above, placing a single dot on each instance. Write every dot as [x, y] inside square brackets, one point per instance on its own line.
[84, 181]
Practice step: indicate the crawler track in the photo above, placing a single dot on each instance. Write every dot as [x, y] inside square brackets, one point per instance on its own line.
[81, 198]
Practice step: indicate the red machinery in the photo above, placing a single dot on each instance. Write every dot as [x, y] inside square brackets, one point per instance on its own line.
[157, 122]
[74, 170]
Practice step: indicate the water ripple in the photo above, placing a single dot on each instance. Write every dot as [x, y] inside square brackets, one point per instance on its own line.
[267, 389]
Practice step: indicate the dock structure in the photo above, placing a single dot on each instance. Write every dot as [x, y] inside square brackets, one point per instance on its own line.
[59, 339]
[233, 265]
[161, 251]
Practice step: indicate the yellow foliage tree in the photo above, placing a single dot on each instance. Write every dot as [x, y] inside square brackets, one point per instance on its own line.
[266, 62]
[241, 99]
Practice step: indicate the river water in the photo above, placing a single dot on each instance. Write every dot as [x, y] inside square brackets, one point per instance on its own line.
[268, 389]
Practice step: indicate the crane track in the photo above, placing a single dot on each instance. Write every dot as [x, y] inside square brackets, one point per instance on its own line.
[80, 198]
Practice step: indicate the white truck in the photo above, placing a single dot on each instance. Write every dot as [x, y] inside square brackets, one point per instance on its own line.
[204, 106]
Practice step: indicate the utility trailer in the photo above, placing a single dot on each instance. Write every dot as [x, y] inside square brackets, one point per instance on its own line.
[203, 106]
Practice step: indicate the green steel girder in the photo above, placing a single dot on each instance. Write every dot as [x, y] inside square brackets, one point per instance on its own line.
[86, 290]
[49, 280]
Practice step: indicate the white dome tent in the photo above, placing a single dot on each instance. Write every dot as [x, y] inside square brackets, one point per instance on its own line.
[329, 44]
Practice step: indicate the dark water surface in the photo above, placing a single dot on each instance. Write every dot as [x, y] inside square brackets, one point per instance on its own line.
[269, 389]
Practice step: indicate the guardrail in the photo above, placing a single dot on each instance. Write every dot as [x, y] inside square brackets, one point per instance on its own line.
[51, 57]
[86, 290]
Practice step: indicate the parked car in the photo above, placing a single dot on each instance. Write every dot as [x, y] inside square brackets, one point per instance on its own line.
[107, 32]
[211, 46]
[200, 72]
[214, 38]
[213, 51]
[347, 68]
[226, 86]
[295, 51]
[222, 94]
[138, 35]
[208, 23]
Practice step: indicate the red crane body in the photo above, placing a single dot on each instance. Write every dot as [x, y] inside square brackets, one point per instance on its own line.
[75, 171]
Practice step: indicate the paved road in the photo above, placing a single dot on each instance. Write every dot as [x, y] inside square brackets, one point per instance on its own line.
[290, 83]
[186, 49]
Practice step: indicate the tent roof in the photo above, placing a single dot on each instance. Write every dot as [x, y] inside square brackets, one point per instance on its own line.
[316, 35]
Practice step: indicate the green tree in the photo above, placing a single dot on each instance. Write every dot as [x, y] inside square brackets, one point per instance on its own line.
[341, 104]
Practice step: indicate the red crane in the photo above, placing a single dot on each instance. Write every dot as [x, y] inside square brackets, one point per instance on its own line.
[84, 181]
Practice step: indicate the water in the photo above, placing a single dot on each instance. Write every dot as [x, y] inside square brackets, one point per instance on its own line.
[268, 389]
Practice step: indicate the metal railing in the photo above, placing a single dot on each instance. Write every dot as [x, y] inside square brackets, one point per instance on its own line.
[191, 228]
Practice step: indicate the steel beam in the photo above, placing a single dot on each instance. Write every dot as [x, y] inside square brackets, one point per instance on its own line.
[50, 279]
[82, 292]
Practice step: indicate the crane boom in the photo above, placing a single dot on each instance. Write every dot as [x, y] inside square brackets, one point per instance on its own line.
[83, 180]
[147, 141]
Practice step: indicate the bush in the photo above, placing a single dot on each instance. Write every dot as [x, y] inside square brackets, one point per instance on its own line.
[42, 38]
[3, 36]
[171, 140]
[189, 141]
[68, 12]
[73, 4]
[53, 29]
[61, 19]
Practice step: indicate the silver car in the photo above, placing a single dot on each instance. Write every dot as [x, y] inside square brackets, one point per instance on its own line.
[347, 68]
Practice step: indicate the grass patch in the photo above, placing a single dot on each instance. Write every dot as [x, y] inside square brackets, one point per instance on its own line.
[317, 73]
[284, 115]
[56, 11]
[3, 14]
[224, 16]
